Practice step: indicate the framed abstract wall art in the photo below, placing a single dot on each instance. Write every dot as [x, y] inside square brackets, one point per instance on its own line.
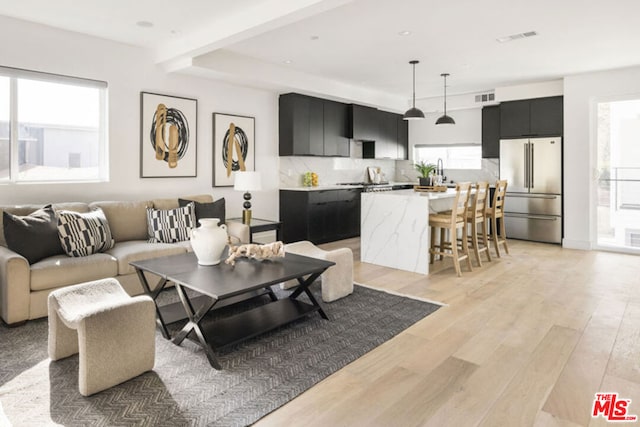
[233, 147]
[168, 136]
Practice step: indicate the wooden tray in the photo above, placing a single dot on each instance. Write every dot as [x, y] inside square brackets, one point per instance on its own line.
[428, 188]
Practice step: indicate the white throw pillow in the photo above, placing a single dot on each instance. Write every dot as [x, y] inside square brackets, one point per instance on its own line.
[171, 225]
[83, 234]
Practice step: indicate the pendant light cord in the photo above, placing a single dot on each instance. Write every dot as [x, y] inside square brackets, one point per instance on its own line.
[445, 94]
[414, 85]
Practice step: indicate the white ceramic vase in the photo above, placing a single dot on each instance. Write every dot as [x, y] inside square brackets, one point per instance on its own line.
[208, 241]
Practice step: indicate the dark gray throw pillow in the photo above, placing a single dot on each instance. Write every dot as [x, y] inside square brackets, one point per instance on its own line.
[215, 209]
[34, 236]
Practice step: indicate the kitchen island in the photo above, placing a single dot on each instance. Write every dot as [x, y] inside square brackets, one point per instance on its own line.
[394, 227]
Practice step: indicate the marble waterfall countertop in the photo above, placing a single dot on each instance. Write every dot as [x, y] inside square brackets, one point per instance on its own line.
[394, 227]
[340, 186]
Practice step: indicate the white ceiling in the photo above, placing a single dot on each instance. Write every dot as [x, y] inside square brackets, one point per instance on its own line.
[351, 49]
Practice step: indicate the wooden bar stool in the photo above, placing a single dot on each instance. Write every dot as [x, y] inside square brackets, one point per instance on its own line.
[495, 212]
[476, 214]
[451, 221]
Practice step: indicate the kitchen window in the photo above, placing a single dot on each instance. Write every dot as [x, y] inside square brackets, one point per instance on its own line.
[52, 128]
[454, 156]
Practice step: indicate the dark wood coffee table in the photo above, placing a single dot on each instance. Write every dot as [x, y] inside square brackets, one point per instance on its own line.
[224, 284]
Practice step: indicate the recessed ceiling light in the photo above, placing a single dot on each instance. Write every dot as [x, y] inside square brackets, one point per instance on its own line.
[404, 33]
[314, 37]
[144, 24]
[287, 61]
[513, 37]
[176, 32]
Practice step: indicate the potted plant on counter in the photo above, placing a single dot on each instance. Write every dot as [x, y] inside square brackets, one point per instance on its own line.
[424, 169]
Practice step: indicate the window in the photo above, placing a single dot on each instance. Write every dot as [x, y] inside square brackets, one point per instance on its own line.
[617, 201]
[457, 156]
[52, 128]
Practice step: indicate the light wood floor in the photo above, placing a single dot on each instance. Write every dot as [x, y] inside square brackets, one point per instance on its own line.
[527, 339]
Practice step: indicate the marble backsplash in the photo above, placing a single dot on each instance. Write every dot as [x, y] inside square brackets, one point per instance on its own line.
[332, 170]
[490, 172]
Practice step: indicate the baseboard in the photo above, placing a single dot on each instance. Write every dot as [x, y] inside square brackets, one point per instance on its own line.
[441, 304]
[583, 245]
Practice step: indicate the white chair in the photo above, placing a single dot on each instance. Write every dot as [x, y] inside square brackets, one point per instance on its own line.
[113, 333]
[337, 280]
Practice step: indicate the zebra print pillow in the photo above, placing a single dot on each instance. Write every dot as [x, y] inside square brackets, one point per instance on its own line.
[171, 225]
[83, 234]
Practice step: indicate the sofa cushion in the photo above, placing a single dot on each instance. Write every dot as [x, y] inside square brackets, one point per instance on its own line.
[171, 225]
[173, 203]
[62, 270]
[24, 210]
[128, 220]
[215, 209]
[83, 234]
[34, 236]
[138, 250]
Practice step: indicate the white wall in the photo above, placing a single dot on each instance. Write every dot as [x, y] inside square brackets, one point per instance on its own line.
[128, 71]
[467, 130]
[581, 92]
[530, 90]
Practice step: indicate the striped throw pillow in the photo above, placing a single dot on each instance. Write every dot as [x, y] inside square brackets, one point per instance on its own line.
[83, 234]
[171, 225]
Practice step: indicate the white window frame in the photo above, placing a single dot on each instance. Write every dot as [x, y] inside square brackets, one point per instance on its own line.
[418, 146]
[103, 150]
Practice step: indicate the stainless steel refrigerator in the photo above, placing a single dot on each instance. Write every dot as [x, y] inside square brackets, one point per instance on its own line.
[533, 170]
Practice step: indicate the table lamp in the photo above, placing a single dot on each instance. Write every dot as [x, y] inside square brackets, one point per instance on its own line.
[247, 181]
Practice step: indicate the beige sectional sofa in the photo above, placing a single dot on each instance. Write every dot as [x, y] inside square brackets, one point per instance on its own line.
[24, 288]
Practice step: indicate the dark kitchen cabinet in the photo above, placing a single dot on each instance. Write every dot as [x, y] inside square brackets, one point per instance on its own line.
[403, 138]
[312, 126]
[386, 146]
[384, 135]
[491, 132]
[532, 117]
[547, 116]
[336, 129]
[514, 119]
[364, 123]
[319, 216]
[301, 125]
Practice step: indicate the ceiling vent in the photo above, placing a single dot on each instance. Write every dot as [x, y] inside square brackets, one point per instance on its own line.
[517, 36]
[486, 97]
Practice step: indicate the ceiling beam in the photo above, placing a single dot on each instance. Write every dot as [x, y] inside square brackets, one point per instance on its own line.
[228, 29]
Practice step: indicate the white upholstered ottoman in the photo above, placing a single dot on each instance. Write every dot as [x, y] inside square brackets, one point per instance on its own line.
[113, 333]
[337, 280]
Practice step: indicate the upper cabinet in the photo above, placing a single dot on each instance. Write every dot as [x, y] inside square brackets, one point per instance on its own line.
[403, 138]
[531, 117]
[319, 127]
[364, 123]
[387, 142]
[491, 131]
[336, 129]
[384, 135]
[547, 116]
[312, 126]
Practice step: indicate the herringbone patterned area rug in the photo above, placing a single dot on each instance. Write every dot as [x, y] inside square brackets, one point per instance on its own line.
[259, 375]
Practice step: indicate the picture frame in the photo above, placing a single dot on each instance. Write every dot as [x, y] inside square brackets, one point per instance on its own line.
[241, 152]
[168, 136]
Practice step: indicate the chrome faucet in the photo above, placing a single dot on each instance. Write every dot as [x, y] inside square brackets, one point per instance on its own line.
[440, 168]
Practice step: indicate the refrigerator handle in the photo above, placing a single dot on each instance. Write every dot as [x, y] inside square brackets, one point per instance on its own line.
[532, 167]
[526, 165]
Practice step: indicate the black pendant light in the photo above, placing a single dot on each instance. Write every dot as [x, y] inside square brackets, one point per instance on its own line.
[444, 119]
[413, 113]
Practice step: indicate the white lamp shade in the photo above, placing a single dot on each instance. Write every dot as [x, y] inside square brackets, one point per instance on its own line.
[247, 181]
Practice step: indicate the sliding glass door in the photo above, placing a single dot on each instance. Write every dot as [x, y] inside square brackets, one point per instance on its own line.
[618, 185]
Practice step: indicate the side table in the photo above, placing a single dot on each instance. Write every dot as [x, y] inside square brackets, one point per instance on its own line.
[258, 225]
